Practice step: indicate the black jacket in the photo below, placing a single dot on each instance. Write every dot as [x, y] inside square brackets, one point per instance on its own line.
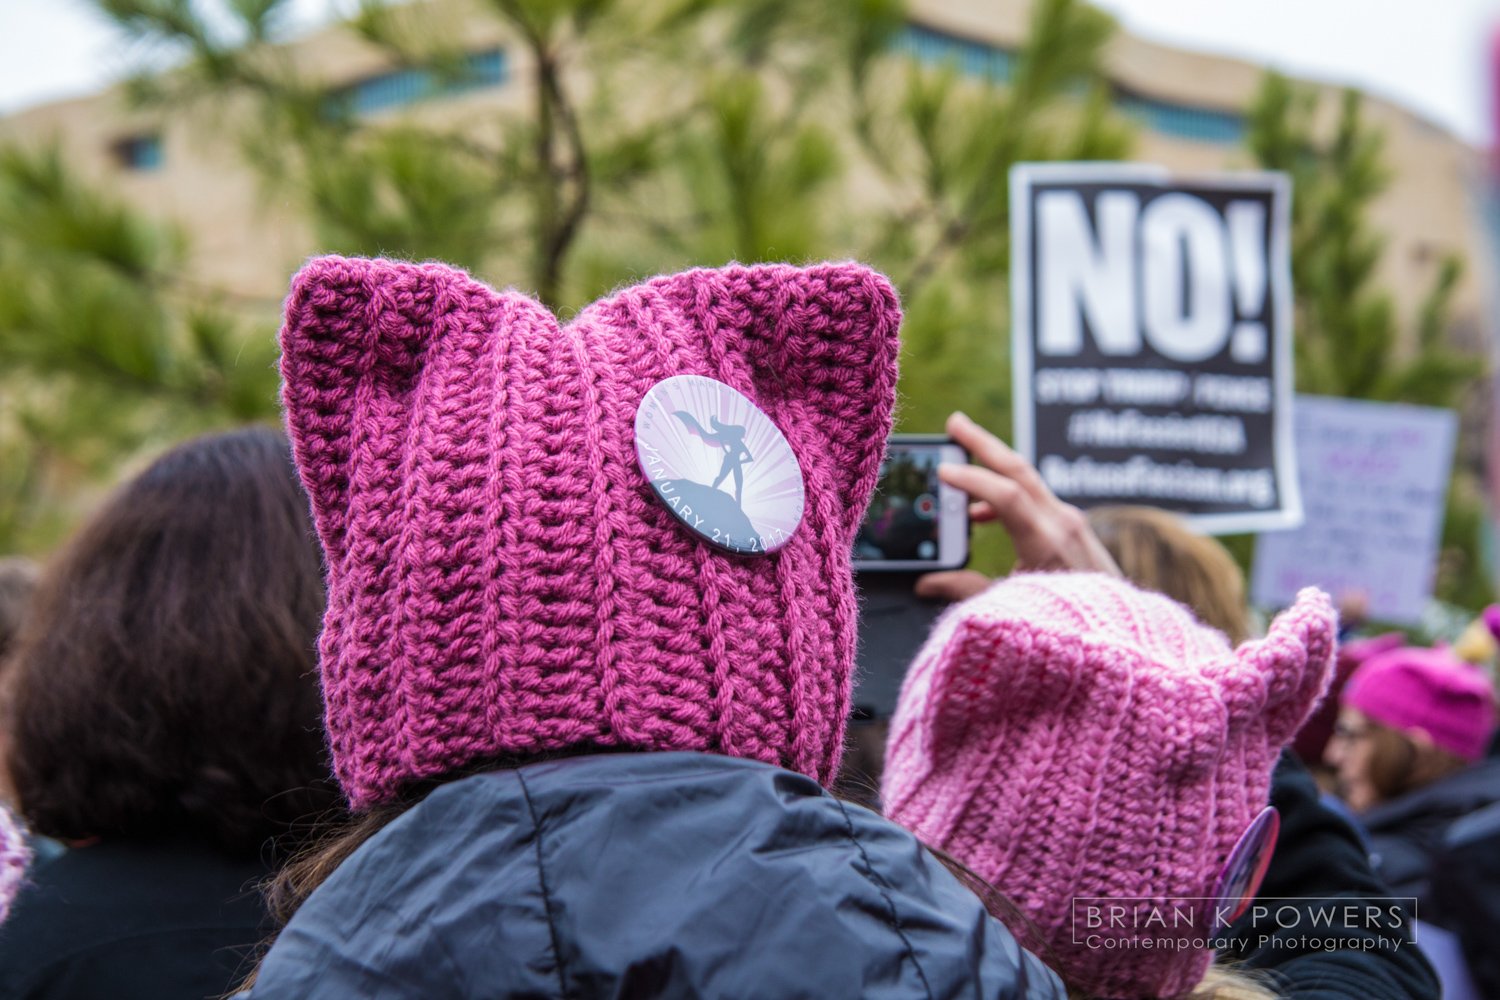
[1465, 893]
[1319, 867]
[1406, 832]
[161, 921]
[645, 875]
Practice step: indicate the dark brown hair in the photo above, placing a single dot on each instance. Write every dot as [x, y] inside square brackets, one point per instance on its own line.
[18, 578]
[1156, 551]
[165, 681]
[1398, 765]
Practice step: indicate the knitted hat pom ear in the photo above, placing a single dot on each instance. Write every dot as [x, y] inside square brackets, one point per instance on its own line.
[1284, 675]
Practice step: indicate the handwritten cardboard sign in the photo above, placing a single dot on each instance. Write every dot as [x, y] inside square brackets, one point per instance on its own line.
[1374, 480]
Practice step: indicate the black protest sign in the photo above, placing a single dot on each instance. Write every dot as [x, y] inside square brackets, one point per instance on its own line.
[1151, 339]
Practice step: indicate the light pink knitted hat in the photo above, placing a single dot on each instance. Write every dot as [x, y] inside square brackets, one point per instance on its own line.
[1068, 735]
[501, 578]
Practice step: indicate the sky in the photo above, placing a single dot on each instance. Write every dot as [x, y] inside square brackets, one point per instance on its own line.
[55, 49]
[1428, 55]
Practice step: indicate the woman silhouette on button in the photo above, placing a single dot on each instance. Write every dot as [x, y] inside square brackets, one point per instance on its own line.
[730, 437]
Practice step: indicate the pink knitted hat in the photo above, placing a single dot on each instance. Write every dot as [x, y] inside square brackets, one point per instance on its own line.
[501, 578]
[1428, 689]
[15, 858]
[1069, 736]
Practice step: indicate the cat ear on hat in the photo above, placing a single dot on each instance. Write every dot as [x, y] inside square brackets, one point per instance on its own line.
[818, 346]
[356, 338]
[1285, 674]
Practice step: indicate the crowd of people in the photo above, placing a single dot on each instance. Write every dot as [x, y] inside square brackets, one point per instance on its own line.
[435, 697]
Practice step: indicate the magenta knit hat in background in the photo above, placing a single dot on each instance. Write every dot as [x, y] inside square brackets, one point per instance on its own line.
[501, 578]
[1427, 689]
[1067, 735]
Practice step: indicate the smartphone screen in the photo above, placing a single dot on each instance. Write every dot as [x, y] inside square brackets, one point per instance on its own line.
[915, 521]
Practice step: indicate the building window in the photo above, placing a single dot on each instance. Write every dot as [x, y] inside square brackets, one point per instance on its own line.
[1183, 121]
[407, 86]
[970, 57]
[138, 152]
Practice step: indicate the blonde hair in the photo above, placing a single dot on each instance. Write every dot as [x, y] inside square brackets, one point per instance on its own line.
[1477, 645]
[1156, 551]
[1226, 982]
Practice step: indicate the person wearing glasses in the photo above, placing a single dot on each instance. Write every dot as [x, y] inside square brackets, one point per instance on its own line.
[1409, 749]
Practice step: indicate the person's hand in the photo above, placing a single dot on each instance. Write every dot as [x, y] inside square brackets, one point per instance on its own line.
[951, 584]
[1046, 533]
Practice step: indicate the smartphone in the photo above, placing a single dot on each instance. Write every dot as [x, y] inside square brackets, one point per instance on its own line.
[915, 522]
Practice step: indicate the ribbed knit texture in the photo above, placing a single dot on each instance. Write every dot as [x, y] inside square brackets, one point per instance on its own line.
[1069, 735]
[501, 578]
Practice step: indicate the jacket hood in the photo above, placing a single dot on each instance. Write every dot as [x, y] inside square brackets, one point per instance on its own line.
[646, 875]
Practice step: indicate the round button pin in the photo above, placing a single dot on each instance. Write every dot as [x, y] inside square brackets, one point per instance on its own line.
[1240, 877]
[719, 464]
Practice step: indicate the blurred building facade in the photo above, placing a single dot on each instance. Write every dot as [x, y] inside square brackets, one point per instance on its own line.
[1190, 108]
